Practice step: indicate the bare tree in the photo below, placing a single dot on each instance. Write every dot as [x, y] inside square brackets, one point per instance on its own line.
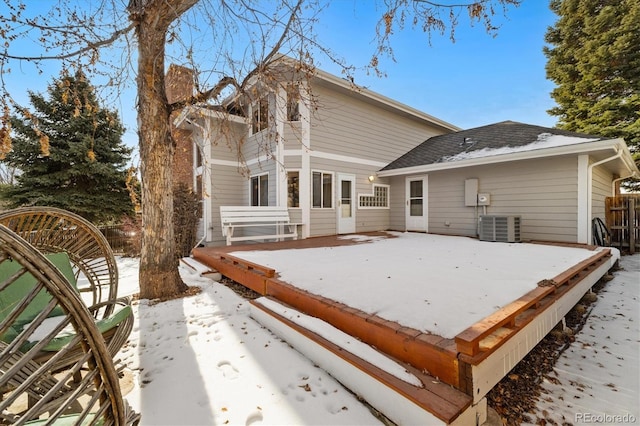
[227, 42]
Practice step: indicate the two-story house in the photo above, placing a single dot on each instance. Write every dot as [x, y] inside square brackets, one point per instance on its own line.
[344, 159]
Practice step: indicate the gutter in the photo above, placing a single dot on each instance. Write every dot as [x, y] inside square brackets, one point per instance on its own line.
[619, 153]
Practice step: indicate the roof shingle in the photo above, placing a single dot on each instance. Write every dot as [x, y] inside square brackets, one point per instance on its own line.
[506, 134]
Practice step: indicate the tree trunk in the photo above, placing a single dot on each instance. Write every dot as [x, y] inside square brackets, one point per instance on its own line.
[159, 275]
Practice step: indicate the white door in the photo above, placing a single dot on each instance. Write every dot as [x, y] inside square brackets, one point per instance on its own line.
[346, 204]
[416, 204]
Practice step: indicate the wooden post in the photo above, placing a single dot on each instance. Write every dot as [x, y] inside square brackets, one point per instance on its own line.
[632, 225]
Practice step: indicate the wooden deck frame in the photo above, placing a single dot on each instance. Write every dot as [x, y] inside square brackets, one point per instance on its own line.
[517, 314]
[471, 362]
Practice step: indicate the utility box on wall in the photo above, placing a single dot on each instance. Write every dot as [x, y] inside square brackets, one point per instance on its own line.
[471, 192]
[484, 199]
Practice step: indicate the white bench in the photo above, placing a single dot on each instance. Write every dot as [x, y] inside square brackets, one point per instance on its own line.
[233, 217]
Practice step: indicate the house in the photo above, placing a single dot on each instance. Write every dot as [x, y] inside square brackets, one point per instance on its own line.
[313, 144]
[345, 159]
[555, 181]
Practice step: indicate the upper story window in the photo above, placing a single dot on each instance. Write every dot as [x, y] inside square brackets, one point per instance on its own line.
[260, 115]
[322, 190]
[293, 103]
[378, 200]
[260, 190]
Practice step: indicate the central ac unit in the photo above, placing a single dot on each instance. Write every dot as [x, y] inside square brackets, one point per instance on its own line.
[505, 229]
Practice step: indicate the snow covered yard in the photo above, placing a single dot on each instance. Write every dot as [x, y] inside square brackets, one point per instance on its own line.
[597, 379]
[203, 360]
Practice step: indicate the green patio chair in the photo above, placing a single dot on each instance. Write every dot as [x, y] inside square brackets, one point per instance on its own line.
[42, 312]
[94, 273]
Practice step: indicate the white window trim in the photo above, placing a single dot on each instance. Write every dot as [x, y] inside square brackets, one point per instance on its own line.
[373, 194]
[333, 189]
[251, 188]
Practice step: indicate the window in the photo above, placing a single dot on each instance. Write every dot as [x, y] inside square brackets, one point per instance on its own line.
[293, 189]
[200, 194]
[293, 105]
[260, 190]
[198, 155]
[322, 183]
[260, 115]
[379, 199]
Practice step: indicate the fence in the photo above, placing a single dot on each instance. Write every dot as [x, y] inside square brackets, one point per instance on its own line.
[122, 239]
[623, 222]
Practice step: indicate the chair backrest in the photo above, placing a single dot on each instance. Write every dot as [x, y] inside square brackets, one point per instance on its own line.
[53, 230]
[95, 395]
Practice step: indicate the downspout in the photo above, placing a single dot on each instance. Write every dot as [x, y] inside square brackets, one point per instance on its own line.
[618, 154]
[206, 214]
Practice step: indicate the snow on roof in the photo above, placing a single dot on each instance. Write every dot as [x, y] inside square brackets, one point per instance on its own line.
[544, 140]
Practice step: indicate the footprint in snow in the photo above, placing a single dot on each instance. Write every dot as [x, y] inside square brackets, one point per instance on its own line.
[228, 370]
[254, 418]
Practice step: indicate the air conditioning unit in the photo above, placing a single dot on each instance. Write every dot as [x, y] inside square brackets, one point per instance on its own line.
[504, 229]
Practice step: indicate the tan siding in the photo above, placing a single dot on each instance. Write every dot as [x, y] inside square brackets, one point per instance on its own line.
[292, 135]
[397, 212]
[346, 126]
[292, 162]
[323, 223]
[542, 192]
[226, 142]
[602, 180]
[228, 189]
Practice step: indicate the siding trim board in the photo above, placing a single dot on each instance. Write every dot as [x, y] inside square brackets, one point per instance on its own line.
[334, 157]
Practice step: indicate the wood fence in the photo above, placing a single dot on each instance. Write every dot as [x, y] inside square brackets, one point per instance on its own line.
[623, 222]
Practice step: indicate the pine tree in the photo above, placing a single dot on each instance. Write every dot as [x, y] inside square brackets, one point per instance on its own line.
[70, 153]
[594, 59]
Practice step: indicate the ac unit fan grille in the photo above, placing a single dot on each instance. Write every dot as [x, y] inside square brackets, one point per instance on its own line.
[500, 228]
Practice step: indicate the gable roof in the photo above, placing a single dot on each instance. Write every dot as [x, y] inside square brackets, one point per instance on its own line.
[501, 142]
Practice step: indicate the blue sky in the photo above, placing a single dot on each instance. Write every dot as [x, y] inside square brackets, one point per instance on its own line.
[477, 80]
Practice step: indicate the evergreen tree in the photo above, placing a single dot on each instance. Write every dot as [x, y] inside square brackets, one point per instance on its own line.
[70, 153]
[594, 59]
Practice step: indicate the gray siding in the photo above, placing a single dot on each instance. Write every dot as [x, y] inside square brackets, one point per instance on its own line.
[345, 126]
[397, 201]
[323, 221]
[602, 180]
[226, 140]
[542, 192]
[292, 135]
[228, 188]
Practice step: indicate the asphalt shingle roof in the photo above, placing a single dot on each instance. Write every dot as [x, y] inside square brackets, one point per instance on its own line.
[500, 135]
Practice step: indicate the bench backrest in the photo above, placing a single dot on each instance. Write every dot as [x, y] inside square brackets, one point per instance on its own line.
[253, 214]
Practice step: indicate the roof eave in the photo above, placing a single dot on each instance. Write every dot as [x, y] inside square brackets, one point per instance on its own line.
[582, 148]
[192, 112]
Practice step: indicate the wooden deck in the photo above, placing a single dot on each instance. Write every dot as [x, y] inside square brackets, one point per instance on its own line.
[450, 361]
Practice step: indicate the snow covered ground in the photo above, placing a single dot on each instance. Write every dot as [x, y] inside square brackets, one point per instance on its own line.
[597, 379]
[203, 360]
[432, 283]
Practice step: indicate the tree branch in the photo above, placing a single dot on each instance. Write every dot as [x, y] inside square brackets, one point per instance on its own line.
[89, 47]
[260, 67]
